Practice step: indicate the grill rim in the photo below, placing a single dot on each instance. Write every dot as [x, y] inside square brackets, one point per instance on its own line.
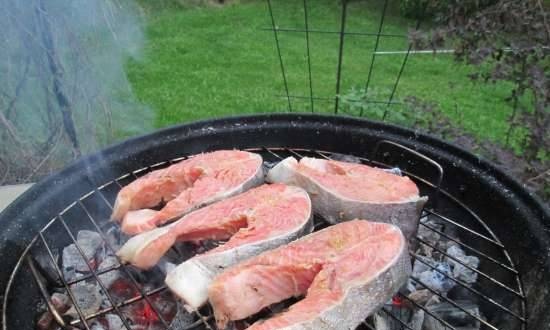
[237, 122]
[113, 154]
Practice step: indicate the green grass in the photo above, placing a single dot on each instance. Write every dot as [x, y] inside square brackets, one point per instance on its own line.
[206, 62]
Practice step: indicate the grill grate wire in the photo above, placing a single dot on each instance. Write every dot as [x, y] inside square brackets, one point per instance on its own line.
[204, 318]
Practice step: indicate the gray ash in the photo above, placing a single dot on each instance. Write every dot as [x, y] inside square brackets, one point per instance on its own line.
[433, 270]
[120, 285]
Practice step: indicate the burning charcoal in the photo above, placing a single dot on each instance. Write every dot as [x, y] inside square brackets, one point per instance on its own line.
[395, 170]
[143, 316]
[421, 265]
[381, 322]
[98, 326]
[45, 321]
[182, 320]
[269, 165]
[122, 289]
[427, 231]
[428, 234]
[89, 242]
[109, 277]
[434, 300]
[113, 236]
[114, 322]
[88, 297]
[167, 308]
[411, 285]
[453, 315]
[61, 303]
[165, 266]
[72, 262]
[459, 270]
[421, 297]
[345, 158]
[461, 293]
[412, 318]
[430, 323]
[425, 250]
[437, 280]
[181, 252]
[141, 327]
[47, 266]
[417, 320]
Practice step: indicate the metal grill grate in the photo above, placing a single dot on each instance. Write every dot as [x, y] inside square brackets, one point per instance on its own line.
[204, 319]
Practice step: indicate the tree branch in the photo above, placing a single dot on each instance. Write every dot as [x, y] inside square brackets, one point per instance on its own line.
[538, 176]
[41, 163]
[12, 131]
[18, 87]
[546, 25]
[57, 72]
[5, 176]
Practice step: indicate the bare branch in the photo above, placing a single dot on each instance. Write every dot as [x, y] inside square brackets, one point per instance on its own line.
[539, 176]
[43, 161]
[56, 70]
[544, 19]
[5, 176]
[10, 129]
[108, 22]
[18, 87]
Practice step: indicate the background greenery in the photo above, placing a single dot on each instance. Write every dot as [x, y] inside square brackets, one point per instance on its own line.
[211, 61]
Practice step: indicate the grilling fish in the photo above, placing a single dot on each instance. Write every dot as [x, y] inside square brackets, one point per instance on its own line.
[257, 220]
[345, 271]
[187, 185]
[343, 191]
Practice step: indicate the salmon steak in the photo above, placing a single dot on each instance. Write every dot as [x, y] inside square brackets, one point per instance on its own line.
[185, 186]
[342, 191]
[346, 272]
[255, 221]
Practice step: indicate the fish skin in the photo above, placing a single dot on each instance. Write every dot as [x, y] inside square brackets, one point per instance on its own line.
[186, 186]
[345, 292]
[336, 208]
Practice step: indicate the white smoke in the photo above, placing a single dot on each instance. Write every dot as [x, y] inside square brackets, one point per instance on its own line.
[63, 87]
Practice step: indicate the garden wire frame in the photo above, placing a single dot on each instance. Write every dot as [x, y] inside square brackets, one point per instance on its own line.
[342, 33]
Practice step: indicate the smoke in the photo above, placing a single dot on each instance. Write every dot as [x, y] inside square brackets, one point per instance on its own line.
[63, 87]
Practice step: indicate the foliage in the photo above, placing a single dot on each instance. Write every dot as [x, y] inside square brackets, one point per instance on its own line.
[534, 174]
[417, 9]
[357, 103]
[431, 9]
[426, 116]
[507, 41]
[155, 6]
[211, 62]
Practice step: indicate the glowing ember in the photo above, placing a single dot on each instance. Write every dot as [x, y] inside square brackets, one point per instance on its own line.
[142, 313]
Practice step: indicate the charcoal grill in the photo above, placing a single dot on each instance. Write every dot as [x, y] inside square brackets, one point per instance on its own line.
[493, 217]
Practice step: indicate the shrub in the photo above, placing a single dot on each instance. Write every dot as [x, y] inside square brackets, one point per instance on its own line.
[424, 9]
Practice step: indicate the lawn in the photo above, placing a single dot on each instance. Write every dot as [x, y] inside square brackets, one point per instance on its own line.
[204, 62]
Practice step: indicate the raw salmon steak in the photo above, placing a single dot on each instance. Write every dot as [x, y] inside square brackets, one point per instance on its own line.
[345, 271]
[343, 191]
[257, 220]
[187, 185]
